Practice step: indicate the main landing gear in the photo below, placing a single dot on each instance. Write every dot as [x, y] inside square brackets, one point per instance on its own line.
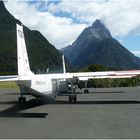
[86, 89]
[72, 99]
[21, 99]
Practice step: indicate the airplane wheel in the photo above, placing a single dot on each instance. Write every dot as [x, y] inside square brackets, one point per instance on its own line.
[86, 91]
[70, 99]
[74, 98]
[21, 100]
[24, 100]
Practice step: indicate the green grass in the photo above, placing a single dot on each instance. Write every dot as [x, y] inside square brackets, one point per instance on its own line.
[10, 85]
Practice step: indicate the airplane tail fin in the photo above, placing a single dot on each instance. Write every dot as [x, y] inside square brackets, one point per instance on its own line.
[23, 62]
[64, 66]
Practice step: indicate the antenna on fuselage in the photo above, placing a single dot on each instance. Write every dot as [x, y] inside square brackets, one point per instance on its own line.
[47, 71]
[64, 66]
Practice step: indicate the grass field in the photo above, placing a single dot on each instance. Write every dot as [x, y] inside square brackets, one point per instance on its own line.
[10, 85]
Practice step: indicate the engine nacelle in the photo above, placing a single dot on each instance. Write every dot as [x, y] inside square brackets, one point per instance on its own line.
[63, 87]
[73, 80]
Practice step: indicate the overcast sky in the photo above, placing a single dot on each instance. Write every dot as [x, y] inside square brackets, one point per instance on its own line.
[62, 21]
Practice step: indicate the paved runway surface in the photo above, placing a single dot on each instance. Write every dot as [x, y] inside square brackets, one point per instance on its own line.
[106, 113]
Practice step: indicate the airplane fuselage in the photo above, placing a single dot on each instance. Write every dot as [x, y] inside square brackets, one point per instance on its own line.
[43, 85]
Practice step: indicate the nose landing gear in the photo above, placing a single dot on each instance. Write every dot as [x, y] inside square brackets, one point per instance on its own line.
[21, 99]
[72, 98]
[86, 90]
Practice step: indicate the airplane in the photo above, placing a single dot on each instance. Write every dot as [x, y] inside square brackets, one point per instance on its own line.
[49, 85]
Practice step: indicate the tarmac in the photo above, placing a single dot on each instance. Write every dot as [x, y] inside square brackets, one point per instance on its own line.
[105, 113]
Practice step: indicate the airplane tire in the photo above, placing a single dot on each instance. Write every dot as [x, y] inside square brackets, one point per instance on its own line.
[24, 100]
[70, 99]
[21, 100]
[75, 98]
[86, 91]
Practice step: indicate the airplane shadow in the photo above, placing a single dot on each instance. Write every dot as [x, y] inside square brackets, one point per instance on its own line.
[59, 102]
[7, 102]
[14, 111]
[109, 92]
[94, 92]
[13, 93]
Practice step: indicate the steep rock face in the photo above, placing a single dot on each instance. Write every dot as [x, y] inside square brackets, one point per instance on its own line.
[41, 53]
[95, 45]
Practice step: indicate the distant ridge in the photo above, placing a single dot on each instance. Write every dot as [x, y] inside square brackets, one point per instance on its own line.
[41, 53]
[95, 45]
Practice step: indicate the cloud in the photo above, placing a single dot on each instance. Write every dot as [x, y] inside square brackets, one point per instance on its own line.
[120, 16]
[60, 31]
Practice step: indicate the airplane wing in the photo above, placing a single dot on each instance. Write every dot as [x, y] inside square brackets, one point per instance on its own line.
[83, 76]
[9, 78]
[14, 78]
[102, 75]
[106, 74]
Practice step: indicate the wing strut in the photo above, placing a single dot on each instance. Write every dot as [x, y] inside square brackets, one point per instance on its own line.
[72, 96]
[86, 89]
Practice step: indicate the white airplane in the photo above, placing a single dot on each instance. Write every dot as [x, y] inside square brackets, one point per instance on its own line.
[49, 85]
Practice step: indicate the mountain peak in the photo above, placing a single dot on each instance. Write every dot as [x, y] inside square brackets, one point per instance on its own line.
[2, 6]
[97, 23]
[99, 30]
[5, 16]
